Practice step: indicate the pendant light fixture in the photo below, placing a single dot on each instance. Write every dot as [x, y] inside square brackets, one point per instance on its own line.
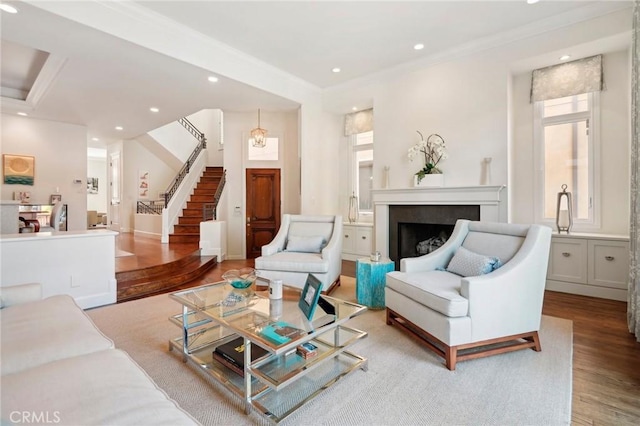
[259, 135]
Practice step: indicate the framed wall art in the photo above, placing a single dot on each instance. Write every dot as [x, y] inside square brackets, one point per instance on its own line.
[143, 184]
[92, 185]
[23, 196]
[18, 169]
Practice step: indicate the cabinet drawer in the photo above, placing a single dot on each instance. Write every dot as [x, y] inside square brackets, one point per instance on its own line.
[609, 263]
[348, 239]
[363, 241]
[568, 260]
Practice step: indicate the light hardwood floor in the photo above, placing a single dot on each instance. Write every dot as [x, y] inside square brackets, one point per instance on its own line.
[606, 358]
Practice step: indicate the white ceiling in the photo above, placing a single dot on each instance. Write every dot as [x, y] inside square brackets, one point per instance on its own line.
[308, 39]
[102, 81]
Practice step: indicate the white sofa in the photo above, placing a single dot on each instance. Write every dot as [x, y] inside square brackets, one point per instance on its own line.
[58, 368]
[304, 245]
[461, 315]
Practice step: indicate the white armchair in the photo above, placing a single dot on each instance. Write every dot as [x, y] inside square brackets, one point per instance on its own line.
[304, 245]
[461, 316]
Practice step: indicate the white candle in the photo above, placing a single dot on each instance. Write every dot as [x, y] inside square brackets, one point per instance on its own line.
[563, 219]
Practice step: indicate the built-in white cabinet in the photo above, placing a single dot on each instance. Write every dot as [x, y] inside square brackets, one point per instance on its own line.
[357, 240]
[590, 265]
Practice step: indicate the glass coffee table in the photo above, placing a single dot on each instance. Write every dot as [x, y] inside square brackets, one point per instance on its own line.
[281, 380]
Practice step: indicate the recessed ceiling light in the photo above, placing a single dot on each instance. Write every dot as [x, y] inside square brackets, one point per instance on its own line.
[213, 79]
[154, 109]
[532, 1]
[24, 114]
[564, 57]
[95, 139]
[354, 108]
[8, 8]
[118, 127]
[419, 46]
[336, 70]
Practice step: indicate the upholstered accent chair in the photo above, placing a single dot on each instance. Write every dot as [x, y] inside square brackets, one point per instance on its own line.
[56, 218]
[479, 294]
[304, 245]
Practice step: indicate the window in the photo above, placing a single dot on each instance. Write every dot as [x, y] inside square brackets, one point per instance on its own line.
[362, 169]
[565, 133]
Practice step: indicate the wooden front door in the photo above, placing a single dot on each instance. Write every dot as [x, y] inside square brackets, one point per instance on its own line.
[263, 209]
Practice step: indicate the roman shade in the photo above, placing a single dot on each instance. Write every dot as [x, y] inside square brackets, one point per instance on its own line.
[568, 79]
[358, 122]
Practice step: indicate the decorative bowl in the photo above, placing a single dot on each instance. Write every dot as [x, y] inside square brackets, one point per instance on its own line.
[240, 278]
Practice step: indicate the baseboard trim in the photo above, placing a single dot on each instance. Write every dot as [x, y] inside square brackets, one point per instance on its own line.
[147, 234]
[587, 290]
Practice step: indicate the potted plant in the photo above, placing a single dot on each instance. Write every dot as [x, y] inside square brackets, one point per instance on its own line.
[432, 151]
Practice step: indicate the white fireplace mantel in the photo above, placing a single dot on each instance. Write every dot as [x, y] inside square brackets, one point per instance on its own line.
[490, 198]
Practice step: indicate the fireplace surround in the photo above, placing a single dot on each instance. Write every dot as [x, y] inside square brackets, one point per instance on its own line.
[487, 201]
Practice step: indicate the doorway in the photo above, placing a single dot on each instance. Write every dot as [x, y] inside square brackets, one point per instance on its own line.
[115, 189]
[263, 209]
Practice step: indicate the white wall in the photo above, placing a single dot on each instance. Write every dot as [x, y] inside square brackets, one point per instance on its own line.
[97, 167]
[137, 158]
[208, 122]
[60, 152]
[468, 109]
[175, 139]
[473, 103]
[614, 140]
[78, 263]
[237, 127]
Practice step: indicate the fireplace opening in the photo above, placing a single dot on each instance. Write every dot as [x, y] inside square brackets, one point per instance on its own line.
[417, 230]
[416, 239]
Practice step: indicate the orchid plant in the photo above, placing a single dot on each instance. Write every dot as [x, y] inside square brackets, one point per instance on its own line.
[432, 150]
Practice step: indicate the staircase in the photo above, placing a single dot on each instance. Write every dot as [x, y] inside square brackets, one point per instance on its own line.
[187, 230]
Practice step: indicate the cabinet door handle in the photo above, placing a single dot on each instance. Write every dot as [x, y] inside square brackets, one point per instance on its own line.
[566, 254]
[346, 236]
[364, 238]
[609, 258]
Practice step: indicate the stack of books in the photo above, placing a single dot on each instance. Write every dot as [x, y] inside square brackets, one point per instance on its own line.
[307, 350]
[231, 354]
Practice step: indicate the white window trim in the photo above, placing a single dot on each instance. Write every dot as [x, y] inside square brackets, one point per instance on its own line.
[353, 174]
[594, 223]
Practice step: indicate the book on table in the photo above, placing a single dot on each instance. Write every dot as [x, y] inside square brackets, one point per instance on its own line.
[231, 354]
[280, 332]
[307, 350]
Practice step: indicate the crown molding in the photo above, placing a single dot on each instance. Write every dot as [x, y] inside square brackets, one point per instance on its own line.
[45, 79]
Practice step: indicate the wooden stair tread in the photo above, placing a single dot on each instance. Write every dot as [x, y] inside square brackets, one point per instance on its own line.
[158, 270]
[188, 230]
[160, 283]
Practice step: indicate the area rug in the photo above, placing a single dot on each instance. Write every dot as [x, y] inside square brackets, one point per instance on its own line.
[405, 384]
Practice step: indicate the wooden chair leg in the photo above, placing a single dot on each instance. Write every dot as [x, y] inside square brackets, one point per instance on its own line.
[536, 341]
[332, 287]
[451, 357]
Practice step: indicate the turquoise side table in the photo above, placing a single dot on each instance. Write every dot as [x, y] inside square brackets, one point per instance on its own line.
[371, 280]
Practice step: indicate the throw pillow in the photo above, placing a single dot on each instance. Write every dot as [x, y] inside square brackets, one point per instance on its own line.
[305, 244]
[469, 264]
